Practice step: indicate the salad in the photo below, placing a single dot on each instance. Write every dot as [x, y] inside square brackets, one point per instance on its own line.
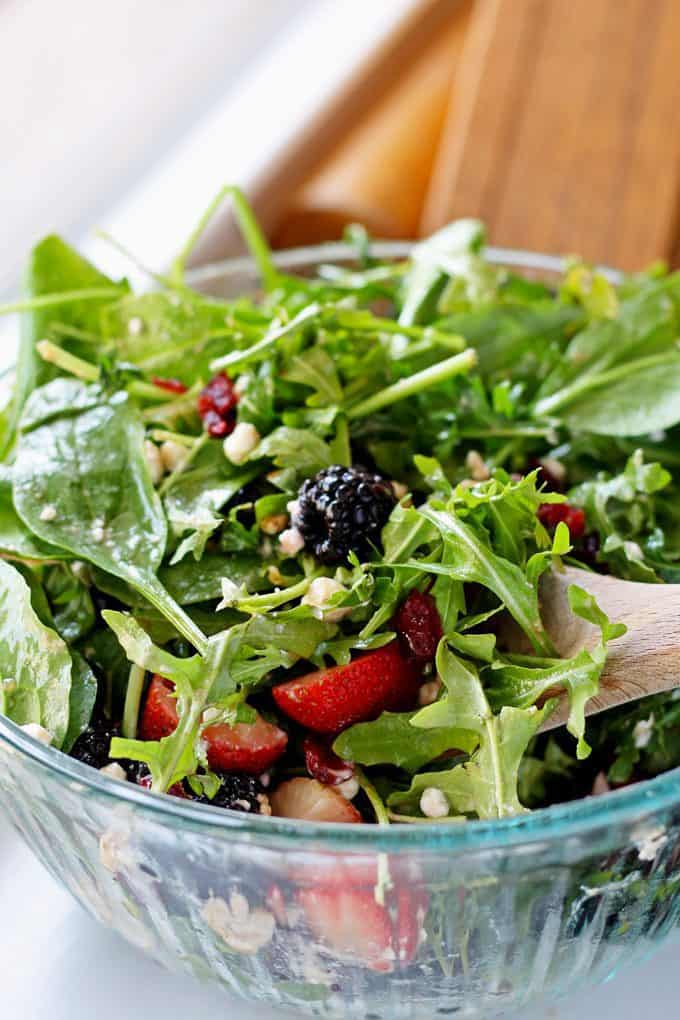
[259, 553]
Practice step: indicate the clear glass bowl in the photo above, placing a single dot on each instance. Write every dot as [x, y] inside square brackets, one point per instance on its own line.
[481, 918]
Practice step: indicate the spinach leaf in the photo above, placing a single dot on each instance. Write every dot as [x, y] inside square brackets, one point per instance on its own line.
[81, 482]
[16, 540]
[391, 740]
[71, 603]
[53, 268]
[194, 501]
[35, 664]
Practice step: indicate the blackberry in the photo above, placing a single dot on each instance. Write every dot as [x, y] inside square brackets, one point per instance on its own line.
[238, 792]
[343, 510]
[93, 744]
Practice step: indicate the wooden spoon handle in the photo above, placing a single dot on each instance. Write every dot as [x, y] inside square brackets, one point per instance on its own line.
[646, 660]
[564, 135]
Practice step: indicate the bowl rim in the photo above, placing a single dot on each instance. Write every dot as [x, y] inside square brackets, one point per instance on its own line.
[629, 805]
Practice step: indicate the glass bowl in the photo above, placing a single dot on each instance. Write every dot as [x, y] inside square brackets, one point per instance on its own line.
[407, 921]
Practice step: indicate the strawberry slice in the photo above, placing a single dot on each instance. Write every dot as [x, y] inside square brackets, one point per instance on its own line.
[410, 907]
[311, 800]
[330, 699]
[243, 747]
[351, 924]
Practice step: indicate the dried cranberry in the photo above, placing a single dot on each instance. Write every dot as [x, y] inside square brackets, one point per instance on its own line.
[217, 406]
[419, 626]
[323, 764]
[171, 385]
[552, 514]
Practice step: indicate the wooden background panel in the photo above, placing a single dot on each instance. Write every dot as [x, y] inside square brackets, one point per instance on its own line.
[565, 136]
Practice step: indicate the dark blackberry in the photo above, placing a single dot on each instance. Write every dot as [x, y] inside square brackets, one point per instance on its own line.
[343, 510]
[238, 792]
[92, 746]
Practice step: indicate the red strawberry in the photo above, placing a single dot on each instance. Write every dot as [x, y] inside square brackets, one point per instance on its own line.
[419, 625]
[323, 764]
[330, 699]
[552, 514]
[351, 924]
[311, 800]
[243, 747]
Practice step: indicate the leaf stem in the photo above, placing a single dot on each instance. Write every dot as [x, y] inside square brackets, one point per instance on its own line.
[133, 697]
[68, 362]
[65, 298]
[548, 405]
[457, 365]
[271, 337]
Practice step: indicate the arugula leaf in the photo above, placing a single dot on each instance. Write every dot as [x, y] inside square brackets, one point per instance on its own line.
[81, 483]
[441, 254]
[622, 511]
[486, 785]
[298, 449]
[316, 369]
[391, 740]
[579, 676]
[35, 664]
[471, 559]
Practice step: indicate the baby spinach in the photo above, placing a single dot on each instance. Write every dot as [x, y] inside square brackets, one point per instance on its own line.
[35, 664]
[81, 483]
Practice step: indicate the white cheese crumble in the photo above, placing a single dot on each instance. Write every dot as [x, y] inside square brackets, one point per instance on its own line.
[291, 542]
[48, 513]
[320, 591]
[240, 444]
[433, 803]
[475, 464]
[642, 732]
[135, 326]
[172, 454]
[154, 462]
[115, 771]
[349, 788]
[38, 732]
[429, 692]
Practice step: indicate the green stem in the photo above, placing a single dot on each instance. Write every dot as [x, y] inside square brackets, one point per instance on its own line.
[548, 405]
[154, 591]
[65, 298]
[163, 436]
[511, 432]
[133, 697]
[341, 450]
[257, 604]
[381, 814]
[250, 230]
[270, 338]
[147, 391]
[68, 362]
[458, 364]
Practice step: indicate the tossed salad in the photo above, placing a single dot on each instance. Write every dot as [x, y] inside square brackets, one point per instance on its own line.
[259, 552]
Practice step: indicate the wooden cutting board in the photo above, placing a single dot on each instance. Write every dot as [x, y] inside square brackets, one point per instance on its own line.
[564, 130]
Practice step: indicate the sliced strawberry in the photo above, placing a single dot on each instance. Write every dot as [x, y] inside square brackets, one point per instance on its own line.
[351, 924]
[312, 801]
[419, 625]
[323, 764]
[330, 699]
[243, 747]
[159, 717]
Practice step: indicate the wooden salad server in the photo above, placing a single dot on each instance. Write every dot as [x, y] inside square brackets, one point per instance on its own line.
[646, 660]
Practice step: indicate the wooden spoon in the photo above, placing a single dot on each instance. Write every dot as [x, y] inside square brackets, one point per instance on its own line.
[646, 660]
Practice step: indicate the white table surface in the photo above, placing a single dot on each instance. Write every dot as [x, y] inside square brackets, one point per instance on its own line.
[55, 962]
